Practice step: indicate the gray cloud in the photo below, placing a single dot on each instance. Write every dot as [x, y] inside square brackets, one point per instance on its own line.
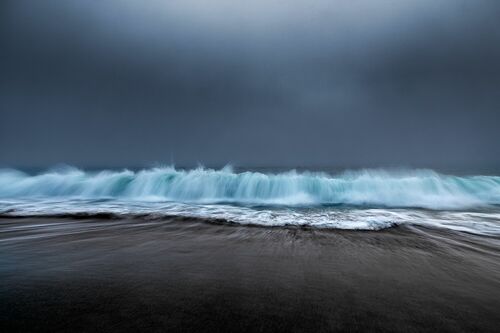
[337, 83]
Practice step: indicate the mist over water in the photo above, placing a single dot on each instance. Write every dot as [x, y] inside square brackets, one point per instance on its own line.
[365, 192]
[370, 199]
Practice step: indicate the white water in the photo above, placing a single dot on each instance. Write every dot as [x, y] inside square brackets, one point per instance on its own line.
[368, 199]
[417, 188]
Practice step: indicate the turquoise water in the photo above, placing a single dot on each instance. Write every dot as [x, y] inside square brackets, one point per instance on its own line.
[361, 199]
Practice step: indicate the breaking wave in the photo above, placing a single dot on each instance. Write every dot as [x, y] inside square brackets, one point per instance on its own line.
[370, 188]
[354, 200]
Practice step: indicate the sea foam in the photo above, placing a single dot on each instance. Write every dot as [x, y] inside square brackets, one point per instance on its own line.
[373, 188]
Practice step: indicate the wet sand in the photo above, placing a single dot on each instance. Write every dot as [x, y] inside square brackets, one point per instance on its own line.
[101, 275]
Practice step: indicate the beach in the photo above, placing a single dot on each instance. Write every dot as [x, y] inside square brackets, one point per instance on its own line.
[99, 274]
[250, 166]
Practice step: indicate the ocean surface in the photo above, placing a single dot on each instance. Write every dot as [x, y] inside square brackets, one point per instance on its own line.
[369, 199]
[172, 250]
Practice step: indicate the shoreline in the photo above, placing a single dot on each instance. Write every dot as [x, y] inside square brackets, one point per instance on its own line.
[169, 275]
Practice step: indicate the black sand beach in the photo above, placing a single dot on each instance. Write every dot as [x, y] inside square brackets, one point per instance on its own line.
[178, 275]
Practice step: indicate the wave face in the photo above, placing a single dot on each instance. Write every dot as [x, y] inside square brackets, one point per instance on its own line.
[419, 188]
[366, 199]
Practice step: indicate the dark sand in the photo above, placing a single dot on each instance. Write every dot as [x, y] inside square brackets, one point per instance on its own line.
[91, 275]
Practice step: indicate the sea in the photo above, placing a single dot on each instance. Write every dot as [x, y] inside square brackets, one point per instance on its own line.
[358, 199]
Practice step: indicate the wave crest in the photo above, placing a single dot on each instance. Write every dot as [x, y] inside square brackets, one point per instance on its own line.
[408, 188]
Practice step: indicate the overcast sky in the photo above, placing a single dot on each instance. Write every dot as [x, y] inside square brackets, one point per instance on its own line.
[344, 83]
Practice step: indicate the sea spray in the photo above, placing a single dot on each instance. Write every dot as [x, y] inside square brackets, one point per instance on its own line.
[372, 188]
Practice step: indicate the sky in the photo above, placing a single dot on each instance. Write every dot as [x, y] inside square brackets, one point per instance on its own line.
[339, 83]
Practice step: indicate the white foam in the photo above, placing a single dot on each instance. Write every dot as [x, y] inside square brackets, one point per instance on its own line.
[410, 188]
[484, 223]
[366, 199]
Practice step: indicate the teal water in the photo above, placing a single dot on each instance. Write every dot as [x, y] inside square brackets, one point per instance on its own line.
[351, 199]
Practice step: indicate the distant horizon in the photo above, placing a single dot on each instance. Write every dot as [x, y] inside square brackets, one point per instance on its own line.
[458, 170]
[250, 166]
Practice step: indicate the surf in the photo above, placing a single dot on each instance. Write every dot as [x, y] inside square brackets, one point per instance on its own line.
[362, 188]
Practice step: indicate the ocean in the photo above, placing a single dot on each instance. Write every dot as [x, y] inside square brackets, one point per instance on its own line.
[370, 199]
[218, 250]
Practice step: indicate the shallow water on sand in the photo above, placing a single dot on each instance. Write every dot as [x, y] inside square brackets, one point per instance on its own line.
[369, 199]
[182, 274]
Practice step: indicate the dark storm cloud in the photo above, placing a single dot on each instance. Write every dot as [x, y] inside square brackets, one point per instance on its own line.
[342, 83]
